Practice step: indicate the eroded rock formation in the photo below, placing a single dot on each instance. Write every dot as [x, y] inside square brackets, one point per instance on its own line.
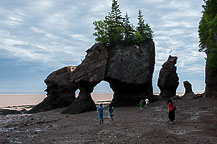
[188, 87]
[60, 90]
[168, 80]
[188, 90]
[87, 75]
[127, 68]
[129, 73]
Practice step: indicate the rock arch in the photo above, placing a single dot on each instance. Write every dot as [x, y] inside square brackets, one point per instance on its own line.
[127, 68]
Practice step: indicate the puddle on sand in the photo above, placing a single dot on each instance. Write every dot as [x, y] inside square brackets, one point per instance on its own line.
[178, 132]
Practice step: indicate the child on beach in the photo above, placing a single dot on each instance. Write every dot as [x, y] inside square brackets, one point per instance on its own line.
[110, 112]
[141, 104]
[171, 110]
[146, 102]
[100, 114]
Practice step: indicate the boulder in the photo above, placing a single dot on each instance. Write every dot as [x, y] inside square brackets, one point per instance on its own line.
[168, 80]
[60, 90]
[188, 87]
[189, 94]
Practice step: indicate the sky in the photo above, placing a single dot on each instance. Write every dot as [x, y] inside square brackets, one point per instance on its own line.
[38, 37]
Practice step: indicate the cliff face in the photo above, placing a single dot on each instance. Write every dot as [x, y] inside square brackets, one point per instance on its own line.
[129, 72]
[60, 90]
[168, 80]
[127, 68]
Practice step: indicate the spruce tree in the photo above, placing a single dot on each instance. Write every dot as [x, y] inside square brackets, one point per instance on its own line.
[114, 21]
[101, 32]
[141, 25]
[128, 30]
[114, 28]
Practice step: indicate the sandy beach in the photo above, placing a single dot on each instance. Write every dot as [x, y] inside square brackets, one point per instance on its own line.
[196, 122]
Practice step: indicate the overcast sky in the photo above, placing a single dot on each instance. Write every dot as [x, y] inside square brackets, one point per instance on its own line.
[40, 36]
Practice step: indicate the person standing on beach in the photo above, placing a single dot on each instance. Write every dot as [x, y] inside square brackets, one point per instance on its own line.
[111, 112]
[146, 102]
[171, 110]
[100, 114]
[141, 104]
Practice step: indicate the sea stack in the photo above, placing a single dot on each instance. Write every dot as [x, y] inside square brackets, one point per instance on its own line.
[168, 80]
[128, 68]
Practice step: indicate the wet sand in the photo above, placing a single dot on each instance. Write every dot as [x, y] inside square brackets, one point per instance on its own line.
[20, 101]
[196, 123]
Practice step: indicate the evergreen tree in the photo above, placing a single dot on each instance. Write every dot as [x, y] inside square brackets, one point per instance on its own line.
[101, 32]
[114, 28]
[144, 29]
[141, 25]
[128, 30]
[208, 33]
[115, 24]
[148, 31]
[138, 38]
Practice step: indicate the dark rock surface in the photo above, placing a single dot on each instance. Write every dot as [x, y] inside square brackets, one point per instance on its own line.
[8, 111]
[84, 101]
[60, 90]
[189, 94]
[93, 67]
[129, 73]
[168, 80]
[87, 75]
[127, 68]
[188, 87]
[211, 83]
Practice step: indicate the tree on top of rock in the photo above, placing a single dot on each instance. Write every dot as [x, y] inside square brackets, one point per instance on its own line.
[128, 30]
[142, 28]
[114, 21]
[115, 29]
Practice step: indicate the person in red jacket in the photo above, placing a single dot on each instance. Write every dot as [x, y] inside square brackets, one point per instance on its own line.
[171, 110]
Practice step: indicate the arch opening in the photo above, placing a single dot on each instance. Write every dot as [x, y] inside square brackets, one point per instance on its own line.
[102, 93]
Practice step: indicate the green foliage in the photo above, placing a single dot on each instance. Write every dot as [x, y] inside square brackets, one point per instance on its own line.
[101, 32]
[212, 58]
[208, 33]
[115, 24]
[128, 30]
[115, 29]
[138, 38]
[142, 28]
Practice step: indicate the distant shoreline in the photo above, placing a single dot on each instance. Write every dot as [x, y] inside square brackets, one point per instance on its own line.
[22, 93]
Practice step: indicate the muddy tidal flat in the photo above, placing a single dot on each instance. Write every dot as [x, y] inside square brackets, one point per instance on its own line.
[196, 123]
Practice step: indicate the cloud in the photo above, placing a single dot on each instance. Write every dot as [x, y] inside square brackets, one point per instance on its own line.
[57, 33]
